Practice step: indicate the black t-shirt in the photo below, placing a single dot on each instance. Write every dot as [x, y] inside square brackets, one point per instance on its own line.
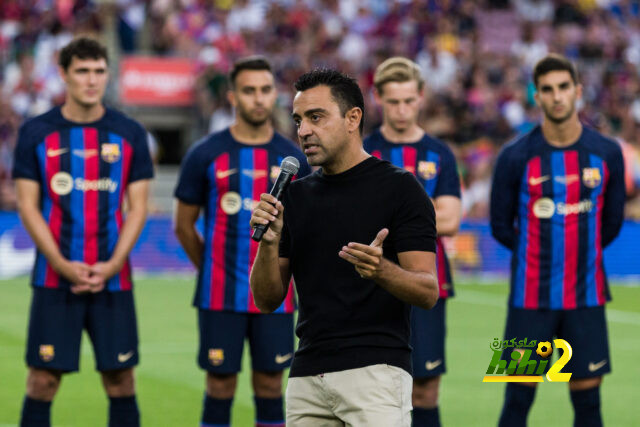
[345, 321]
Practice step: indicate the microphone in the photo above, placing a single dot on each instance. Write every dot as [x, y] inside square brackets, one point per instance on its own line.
[288, 168]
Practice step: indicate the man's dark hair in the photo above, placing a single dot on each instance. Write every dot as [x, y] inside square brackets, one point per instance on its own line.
[554, 62]
[255, 63]
[82, 48]
[344, 89]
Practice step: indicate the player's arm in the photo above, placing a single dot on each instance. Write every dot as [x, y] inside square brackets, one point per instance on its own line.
[28, 198]
[503, 205]
[413, 280]
[270, 274]
[184, 227]
[448, 214]
[614, 199]
[137, 196]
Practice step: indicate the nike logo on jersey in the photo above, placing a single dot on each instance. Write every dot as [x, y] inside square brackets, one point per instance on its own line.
[539, 180]
[281, 359]
[225, 174]
[595, 366]
[56, 152]
[123, 357]
[432, 365]
[566, 180]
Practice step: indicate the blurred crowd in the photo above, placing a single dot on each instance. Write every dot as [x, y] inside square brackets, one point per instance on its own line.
[476, 56]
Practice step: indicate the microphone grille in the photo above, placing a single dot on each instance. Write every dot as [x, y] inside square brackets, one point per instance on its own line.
[290, 165]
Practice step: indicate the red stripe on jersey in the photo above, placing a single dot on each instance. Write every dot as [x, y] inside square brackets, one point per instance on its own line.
[52, 166]
[91, 173]
[600, 278]
[409, 156]
[218, 276]
[289, 304]
[532, 262]
[571, 235]
[127, 157]
[260, 183]
[441, 269]
[376, 153]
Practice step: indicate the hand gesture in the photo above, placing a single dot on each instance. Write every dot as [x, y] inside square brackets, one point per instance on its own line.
[367, 259]
[269, 210]
[79, 274]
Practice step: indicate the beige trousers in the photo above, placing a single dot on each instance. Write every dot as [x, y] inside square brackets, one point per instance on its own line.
[377, 395]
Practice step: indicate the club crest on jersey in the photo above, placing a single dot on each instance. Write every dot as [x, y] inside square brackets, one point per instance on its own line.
[110, 153]
[591, 177]
[275, 171]
[47, 352]
[427, 170]
[216, 356]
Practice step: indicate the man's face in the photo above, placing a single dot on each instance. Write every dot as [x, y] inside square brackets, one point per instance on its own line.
[254, 96]
[86, 81]
[401, 102]
[322, 129]
[557, 95]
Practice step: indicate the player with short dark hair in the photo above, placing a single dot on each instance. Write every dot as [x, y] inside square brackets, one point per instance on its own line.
[224, 175]
[74, 166]
[400, 140]
[557, 201]
[353, 363]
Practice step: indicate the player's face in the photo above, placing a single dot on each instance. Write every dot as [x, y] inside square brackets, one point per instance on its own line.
[86, 81]
[322, 129]
[254, 96]
[401, 102]
[557, 95]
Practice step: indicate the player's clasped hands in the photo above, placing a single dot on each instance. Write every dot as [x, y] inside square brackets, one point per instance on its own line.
[269, 210]
[368, 260]
[86, 278]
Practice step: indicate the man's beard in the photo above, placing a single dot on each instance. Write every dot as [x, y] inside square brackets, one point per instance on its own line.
[252, 121]
[560, 120]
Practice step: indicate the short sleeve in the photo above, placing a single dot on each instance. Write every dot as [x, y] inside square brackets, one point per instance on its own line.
[141, 164]
[25, 159]
[192, 183]
[413, 226]
[448, 180]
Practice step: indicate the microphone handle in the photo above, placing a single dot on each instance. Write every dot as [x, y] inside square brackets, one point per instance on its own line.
[276, 191]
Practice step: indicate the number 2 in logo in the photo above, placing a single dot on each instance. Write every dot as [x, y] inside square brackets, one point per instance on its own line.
[554, 374]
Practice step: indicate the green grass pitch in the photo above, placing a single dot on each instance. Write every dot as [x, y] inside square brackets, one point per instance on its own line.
[170, 386]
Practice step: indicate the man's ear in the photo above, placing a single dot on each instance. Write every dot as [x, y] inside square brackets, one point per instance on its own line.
[231, 97]
[353, 117]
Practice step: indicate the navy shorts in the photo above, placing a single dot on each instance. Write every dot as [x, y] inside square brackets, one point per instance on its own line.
[428, 330]
[222, 335]
[585, 329]
[58, 317]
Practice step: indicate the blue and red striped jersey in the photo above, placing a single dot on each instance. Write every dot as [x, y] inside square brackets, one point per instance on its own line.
[83, 170]
[226, 177]
[433, 163]
[556, 209]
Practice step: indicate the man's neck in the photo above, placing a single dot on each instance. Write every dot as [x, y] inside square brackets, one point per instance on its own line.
[562, 134]
[253, 135]
[79, 114]
[354, 155]
[411, 135]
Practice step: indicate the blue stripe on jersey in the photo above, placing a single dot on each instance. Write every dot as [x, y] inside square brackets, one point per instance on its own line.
[430, 185]
[115, 172]
[40, 269]
[395, 156]
[246, 156]
[209, 227]
[557, 232]
[592, 298]
[76, 136]
[518, 278]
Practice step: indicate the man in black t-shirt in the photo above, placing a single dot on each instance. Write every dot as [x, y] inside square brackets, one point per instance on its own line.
[353, 363]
